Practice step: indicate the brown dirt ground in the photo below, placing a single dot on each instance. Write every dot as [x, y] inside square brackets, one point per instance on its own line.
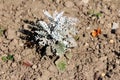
[94, 59]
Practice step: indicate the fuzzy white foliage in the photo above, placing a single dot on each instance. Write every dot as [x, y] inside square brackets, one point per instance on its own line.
[60, 28]
[44, 26]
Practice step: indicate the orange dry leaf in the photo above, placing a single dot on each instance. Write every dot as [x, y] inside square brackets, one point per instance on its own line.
[27, 64]
[96, 32]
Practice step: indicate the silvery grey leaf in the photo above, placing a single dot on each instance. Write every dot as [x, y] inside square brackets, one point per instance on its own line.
[58, 16]
[57, 36]
[45, 26]
[55, 14]
[48, 15]
[42, 33]
[60, 48]
[72, 42]
[65, 43]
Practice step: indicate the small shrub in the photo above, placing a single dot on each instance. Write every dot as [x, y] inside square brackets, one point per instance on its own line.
[57, 33]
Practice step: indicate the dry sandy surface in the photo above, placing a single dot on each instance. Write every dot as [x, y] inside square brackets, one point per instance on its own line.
[95, 58]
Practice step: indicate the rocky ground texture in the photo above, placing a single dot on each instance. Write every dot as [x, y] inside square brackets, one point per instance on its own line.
[95, 58]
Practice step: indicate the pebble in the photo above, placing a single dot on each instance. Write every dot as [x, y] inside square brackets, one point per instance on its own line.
[39, 65]
[57, 1]
[34, 66]
[115, 25]
[85, 1]
[69, 4]
[88, 28]
[2, 72]
[14, 64]
[86, 45]
[117, 62]
[102, 74]
[111, 41]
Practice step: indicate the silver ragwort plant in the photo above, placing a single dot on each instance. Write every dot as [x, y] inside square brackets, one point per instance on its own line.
[57, 33]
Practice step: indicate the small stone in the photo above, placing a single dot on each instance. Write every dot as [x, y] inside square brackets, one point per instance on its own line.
[69, 4]
[39, 65]
[102, 74]
[111, 41]
[115, 25]
[14, 64]
[118, 62]
[34, 66]
[88, 28]
[2, 72]
[57, 1]
[93, 18]
[85, 1]
[86, 45]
